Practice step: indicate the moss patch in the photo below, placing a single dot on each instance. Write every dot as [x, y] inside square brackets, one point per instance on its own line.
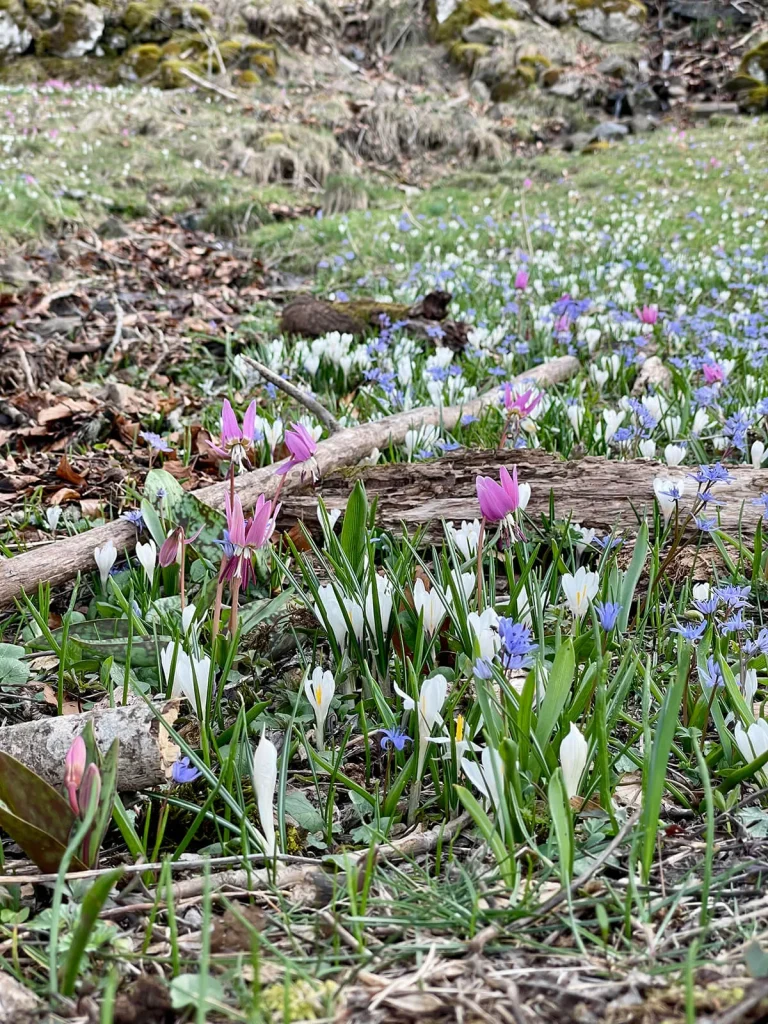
[466, 54]
[468, 12]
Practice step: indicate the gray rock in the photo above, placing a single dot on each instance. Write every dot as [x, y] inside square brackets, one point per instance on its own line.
[570, 87]
[576, 142]
[641, 123]
[14, 39]
[491, 31]
[501, 111]
[612, 26]
[444, 9]
[556, 11]
[479, 92]
[78, 32]
[616, 67]
[609, 130]
[642, 99]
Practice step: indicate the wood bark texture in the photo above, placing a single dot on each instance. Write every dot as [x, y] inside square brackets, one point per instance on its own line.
[598, 493]
[146, 755]
[63, 559]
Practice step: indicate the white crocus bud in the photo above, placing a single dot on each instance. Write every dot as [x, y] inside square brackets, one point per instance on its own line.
[573, 760]
[147, 556]
[757, 453]
[320, 688]
[105, 557]
[264, 784]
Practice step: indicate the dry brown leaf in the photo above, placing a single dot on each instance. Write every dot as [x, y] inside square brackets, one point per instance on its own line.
[91, 507]
[65, 471]
[63, 495]
[68, 707]
[629, 791]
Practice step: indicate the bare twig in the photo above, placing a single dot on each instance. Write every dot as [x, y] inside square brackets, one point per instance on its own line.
[118, 335]
[309, 402]
[205, 84]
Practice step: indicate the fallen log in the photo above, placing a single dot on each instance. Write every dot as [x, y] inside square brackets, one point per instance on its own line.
[146, 755]
[596, 492]
[63, 559]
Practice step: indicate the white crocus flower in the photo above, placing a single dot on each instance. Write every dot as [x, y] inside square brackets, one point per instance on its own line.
[333, 516]
[487, 776]
[52, 517]
[665, 491]
[147, 556]
[647, 448]
[384, 588]
[264, 784]
[674, 454]
[579, 589]
[272, 432]
[753, 742]
[757, 454]
[423, 437]
[613, 421]
[702, 591]
[335, 616]
[587, 535]
[464, 581]
[429, 604]
[598, 376]
[700, 421]
[575, 414]
[320, 688]
[750, 686]
[188, 671]
[463, 742]
[524, 493]
[105, 557]
[573, 760]
[431, 699]
[188, 617]
[466, 537]
[485, 629]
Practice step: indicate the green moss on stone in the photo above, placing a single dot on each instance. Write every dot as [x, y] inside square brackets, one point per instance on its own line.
[467, 54]
[201, 13]
[535, 60]
[513, 85]
[248, 77]
[467, 12]
[172, 73]
[139, 14]
[144, 59]
[610, 6]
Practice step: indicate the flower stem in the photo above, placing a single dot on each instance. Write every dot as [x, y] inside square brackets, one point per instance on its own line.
[480, 537]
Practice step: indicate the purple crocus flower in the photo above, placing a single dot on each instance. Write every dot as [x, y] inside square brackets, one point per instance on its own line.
[395, 737]
[155, 441]
[521, 280]
[183, 771]
[482, 669]
[607, 614]
[692, 631]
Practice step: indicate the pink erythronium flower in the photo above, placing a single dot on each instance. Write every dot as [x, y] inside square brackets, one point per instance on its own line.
[713, 373]
[521, 280]
[302, 447]
[235, 444]
[245, 537]
[498, 500]
[522, 404]
[172, 549]
[74, 769]
[648, 314]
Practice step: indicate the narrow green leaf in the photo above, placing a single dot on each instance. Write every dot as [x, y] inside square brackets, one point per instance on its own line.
[490, 835]
[90, 909]
[632, 576]
[562, 823]
[353, 530]
[558, 689]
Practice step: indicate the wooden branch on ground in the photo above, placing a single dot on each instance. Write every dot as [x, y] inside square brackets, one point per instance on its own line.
[63, 559]
[596, 492]
[309, 402]
[146, 756]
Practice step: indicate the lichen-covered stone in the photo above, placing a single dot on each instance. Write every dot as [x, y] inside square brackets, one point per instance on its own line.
[613, 21]
[467, 12]
[467, 54]
[144, 59]
[77, 32]
[14, 38]
[490, 31]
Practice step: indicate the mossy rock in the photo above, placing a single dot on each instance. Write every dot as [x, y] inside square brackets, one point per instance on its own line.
[467, 12]
[139, 14]
[756, 100]
[76, 34]
[261, 56]
[742, 82]
[247, 78]
[551, 77]
[231, 52]
[466, 54]
[535, 60]
[755, 62]
[513, 85]
[272, 139]
[24, 71]
[172, 73]
[200, 13]
[613, 21]
[185, 43]
[144, 59]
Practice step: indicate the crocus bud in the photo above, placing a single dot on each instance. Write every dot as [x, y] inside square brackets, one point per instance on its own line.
[74, 768]
[91, 783]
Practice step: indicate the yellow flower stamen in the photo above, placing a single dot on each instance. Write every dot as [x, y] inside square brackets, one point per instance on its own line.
[459, 728]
